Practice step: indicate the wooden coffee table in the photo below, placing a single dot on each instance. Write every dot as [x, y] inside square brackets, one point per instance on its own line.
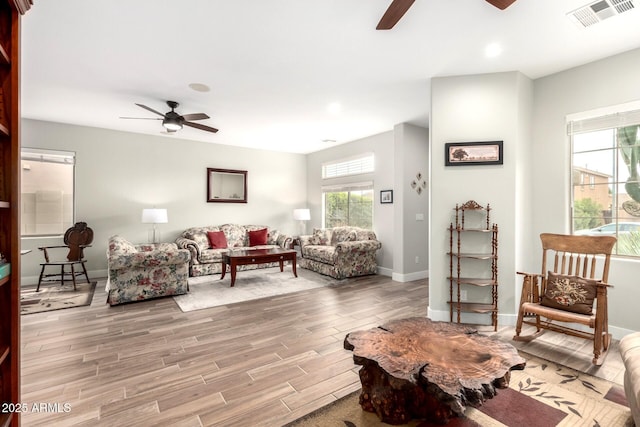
[234, 258]
[417, 368]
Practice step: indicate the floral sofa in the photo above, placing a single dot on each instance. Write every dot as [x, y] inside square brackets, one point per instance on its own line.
[206, 258]
[340, 252]
[140, 272]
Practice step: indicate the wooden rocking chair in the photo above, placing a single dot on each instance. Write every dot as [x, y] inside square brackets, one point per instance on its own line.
[583, 263]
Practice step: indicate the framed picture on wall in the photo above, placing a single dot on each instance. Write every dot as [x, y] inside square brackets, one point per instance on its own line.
[386, 196]
[473, 153]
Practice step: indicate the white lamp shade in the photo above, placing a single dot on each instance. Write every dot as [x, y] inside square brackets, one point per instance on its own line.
[301, 214]
[154, 216]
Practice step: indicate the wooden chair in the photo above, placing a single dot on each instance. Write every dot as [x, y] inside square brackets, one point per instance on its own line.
[75, 240]
[586, 257]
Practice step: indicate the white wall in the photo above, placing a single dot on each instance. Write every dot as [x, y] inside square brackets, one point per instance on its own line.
[411, 235]
[489, 107]
[119, 173]
[530, 192]
[399, 155]
[381, 146]
[609, 82]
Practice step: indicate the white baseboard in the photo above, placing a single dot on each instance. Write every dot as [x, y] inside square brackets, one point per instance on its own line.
[398, 277]
[408, 277]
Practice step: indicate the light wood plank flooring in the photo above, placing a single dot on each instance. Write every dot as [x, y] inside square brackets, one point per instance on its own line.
[259, 363]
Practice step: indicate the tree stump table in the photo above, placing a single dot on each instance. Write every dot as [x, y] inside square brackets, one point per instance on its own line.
[417, 368]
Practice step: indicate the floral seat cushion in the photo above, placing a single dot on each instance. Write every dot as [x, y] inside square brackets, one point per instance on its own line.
[320, 253]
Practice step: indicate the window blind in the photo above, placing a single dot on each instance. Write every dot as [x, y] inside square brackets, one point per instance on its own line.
[610, 121]
[353, 166]
[50, 156]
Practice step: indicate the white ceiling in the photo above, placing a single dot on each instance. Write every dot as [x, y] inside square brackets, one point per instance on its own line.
[274, 66]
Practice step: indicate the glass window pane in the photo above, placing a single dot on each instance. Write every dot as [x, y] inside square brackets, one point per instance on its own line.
[354, 208]
[606, 188]
[46, 193]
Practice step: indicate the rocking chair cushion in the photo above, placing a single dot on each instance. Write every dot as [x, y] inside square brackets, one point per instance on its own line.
[570, 293]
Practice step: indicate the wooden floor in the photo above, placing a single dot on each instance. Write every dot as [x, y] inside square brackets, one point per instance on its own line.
[259, 363]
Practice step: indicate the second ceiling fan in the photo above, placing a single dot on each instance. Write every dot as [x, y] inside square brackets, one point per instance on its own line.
[399, 7]
[173, 121]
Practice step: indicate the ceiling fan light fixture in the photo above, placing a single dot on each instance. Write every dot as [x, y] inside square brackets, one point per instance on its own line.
[171, 124]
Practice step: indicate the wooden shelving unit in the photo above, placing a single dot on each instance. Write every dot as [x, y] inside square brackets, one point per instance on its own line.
[10, 16]
[485, 273]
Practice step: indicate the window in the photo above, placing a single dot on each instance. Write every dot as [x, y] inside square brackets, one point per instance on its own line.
[607, 150]
[349, 202]
[348, 205]
[47, 192]
[353, 166]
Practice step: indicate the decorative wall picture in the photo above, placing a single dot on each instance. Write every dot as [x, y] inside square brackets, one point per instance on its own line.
[419, 184]
[473, 153]
[386, 196]
[226, 186]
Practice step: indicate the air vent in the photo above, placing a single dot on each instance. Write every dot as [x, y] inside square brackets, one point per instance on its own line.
[599, 11]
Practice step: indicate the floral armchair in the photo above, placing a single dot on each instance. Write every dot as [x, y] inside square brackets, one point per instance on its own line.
[340, 252]
[140, 272]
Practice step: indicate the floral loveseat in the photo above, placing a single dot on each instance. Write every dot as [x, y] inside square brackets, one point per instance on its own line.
[340, 252]
[140, 272]
[206, 258]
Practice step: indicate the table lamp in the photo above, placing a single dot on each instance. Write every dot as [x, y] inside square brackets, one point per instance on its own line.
[302, 215]
[154, 216]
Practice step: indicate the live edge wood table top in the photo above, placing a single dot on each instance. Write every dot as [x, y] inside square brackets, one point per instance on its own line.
[236, 257]
[417, 368]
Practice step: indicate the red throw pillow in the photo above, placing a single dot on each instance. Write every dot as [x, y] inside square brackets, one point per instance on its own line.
[258, 237]
[217, 239]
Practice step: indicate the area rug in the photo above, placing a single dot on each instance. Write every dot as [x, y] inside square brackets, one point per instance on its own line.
[545, 394]
[52, 296]
[210, 291]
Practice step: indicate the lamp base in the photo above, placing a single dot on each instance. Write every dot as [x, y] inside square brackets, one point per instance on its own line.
[153, 236]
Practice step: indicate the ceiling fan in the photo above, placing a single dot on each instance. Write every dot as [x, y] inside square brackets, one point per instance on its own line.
[399, 7]
[173, 121]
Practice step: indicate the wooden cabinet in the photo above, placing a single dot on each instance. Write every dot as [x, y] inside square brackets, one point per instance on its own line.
[10, 11]
[473, 263]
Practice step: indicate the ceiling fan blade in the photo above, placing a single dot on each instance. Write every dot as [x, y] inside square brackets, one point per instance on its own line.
[141, 118]
[393, 14]
[195, 116]
[201, 127]
[150, 109]
[501, 4]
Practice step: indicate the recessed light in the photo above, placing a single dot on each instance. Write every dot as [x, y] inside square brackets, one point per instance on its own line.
[334, 108]
[199, 87]
[492, 50]
[329, 141]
